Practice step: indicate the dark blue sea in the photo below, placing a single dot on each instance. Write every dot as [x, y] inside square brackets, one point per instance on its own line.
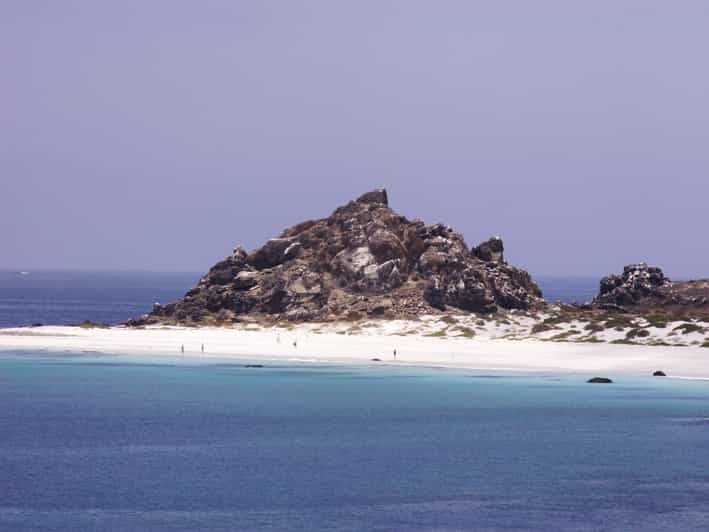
[114, 443]
[70, 297]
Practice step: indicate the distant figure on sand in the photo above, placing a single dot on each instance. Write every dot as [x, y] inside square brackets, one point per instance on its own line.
[182, 348]
[395, 354]
[202, 348]
[295, 344]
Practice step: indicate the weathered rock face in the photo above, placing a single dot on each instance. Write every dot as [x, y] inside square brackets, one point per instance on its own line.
[362, 260]
[491, 250]
[638, 282]
[646, 286]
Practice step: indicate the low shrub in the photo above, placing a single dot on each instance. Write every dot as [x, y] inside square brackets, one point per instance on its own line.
[637, 333]
[687, 328]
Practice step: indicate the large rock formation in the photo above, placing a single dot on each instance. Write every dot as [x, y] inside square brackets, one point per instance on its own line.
[363, 260]
[641, 286]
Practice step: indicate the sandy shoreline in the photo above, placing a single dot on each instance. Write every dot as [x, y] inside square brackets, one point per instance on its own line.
[307, 344]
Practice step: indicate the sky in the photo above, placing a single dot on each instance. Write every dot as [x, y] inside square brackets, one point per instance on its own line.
[157, 135]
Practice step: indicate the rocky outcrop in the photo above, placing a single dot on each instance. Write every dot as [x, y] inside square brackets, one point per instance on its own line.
[599, 380]
[490, 250]
[637, 282]
[363, 260]
[642, 286]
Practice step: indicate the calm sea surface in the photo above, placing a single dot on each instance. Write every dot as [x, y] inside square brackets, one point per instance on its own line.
[112, 443]
[69, 297]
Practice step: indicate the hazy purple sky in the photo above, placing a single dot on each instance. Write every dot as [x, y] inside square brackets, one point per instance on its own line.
[158, 134]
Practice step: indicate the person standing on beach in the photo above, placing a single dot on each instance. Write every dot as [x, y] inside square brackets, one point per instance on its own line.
[202, 348]
[182, 349]
[394, 353]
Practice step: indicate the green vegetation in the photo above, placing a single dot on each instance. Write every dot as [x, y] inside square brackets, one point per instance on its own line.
[466, 332]
[594, 326]
[637, 333]
[408, 332]
[541, 327]
[659, 343]
[564, 335]
[619, 322]
[438, 334]
[624, 341]
[92, 325]
[657, 321]
[590, 340]
[687, 328]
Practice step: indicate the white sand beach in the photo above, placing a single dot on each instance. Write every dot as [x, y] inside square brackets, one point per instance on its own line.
[328, 344]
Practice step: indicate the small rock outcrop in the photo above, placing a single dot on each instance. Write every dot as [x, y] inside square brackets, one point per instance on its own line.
[637, 282]
[599, 380]
[642, 286]
[659, 373]
[363, 260]
[490, 250]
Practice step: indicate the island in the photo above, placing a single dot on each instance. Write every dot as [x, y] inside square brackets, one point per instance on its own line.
[367, 284]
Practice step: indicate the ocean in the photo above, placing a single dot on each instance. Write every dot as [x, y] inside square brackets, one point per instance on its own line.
[70, 297]
[115, 443]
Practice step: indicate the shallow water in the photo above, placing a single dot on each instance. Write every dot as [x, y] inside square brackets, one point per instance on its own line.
[121, 443]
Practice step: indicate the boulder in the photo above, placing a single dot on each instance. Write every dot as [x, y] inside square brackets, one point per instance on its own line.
[385, 246]
[492, 250]
[246, 279]
[377, 196]
[599, 380]
[274, 252]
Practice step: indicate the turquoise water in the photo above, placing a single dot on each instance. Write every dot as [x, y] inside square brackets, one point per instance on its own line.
[119, 443]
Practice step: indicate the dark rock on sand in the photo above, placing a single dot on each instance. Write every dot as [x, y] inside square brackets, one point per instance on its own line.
[599, 380]
[659, 373]
[363, 260]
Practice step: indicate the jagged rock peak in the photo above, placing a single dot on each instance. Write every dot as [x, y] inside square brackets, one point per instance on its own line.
[378, 195]
[362, 260]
